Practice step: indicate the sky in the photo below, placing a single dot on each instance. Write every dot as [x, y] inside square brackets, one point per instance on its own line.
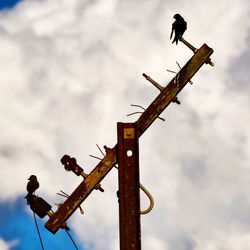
[70, 71]
[8, 3]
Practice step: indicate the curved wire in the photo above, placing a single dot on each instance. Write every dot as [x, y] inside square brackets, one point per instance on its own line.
[71, 239]
[38, 231]
[150, 198]
[139, 106]
[139, 112]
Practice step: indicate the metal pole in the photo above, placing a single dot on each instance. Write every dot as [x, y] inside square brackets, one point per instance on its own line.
[58, 219]
[129, 198]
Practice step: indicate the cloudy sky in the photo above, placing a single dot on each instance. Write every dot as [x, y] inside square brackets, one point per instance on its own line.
[70, 70]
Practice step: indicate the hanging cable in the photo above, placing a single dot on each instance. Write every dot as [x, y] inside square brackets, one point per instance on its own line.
[38, 231]
[150, 199]
[71, 238]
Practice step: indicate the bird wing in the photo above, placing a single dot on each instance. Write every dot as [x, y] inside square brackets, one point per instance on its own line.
[173, 29]
[172, 32]
[184, 26]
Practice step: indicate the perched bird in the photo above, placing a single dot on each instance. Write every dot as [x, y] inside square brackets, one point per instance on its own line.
[179, 26]
[32, 186]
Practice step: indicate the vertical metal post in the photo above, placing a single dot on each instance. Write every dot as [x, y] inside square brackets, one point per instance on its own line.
[129, 198]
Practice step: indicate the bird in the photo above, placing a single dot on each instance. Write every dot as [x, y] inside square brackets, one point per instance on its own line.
[32, 186]
[179, 26]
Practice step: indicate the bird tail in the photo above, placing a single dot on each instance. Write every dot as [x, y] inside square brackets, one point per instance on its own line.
[175, 40]
[171, 33]
[29, 197]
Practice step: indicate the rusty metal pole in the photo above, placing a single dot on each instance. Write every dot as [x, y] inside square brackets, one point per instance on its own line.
[129, 198]
[153, 111]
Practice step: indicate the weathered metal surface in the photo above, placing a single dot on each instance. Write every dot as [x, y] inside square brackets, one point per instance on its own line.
[172, 89]
[129, 198]
[81, 192]
[144, 121]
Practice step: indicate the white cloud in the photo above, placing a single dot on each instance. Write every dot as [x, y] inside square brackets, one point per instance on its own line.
[3, 245]
[7, 245]
[152, 242]
[70, 70]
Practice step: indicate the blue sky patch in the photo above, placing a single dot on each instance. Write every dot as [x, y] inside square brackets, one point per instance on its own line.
[17, 224]
[8, 3]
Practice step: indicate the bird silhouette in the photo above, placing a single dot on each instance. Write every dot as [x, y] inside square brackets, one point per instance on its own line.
[32, 186]
[179, 26]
